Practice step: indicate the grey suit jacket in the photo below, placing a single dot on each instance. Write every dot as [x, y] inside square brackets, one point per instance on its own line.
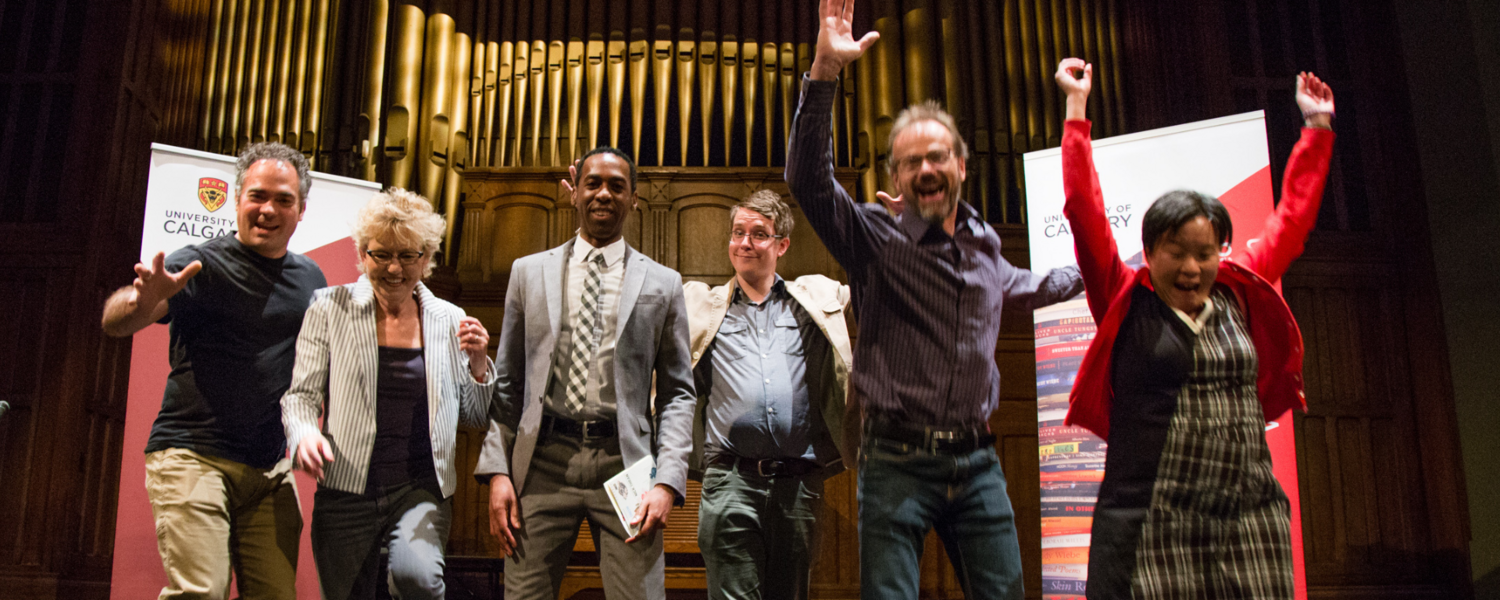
[652, 341]
[337, 354]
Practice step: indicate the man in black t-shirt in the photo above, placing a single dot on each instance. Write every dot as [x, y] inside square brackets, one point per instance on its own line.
[221, 488]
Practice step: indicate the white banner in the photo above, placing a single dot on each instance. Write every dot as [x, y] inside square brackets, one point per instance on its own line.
[1225, 157]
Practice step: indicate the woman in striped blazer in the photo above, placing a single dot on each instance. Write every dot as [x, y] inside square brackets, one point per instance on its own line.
[392, 370]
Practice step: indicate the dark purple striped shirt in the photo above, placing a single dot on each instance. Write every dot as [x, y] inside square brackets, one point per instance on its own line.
[929, 304]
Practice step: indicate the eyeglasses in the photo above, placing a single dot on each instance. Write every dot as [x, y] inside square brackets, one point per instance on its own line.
[382, 257]
[913, 162]
[759, 237]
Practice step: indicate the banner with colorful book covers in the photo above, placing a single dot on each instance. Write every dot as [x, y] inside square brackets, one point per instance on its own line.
[1226, 157]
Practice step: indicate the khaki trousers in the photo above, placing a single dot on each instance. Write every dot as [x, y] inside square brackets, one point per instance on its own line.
[215, 517]
[564, 487]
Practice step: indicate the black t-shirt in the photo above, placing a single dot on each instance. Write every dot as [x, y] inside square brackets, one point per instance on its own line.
[234, 340]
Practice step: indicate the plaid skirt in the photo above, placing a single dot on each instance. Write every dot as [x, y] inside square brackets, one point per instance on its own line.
[1219, 524]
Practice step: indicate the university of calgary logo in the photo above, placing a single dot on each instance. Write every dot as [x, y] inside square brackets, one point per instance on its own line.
[212, 192]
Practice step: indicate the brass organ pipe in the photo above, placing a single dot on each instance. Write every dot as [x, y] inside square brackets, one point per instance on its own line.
[850, 133]
[484, 149]
[576, 49]
[616, 68]
[888, 94]
[260, 84]
[434, 124]
[838, 115]
[708, 58]
[538, 93]
[768, 81]
[687, 62]
[221, 76]
[458, 146]
[555, 52]
[661, 74]
[749, 63]
[1112, 83]
[299, 79]
[283, 69]
[497, 104]
[953, 93]
[475, 91]
[400, 146]
[788, 72]
[729, 79]
[864, 141]
[520, 70]
[237, 85]
[1016, 138]
[1047, 58]
[594, 54]
[309, 138]
[497, 58]
[210, 67]
[268, 77]
[638, 51]
[369, 148]
[917, 51]
[1029, 77]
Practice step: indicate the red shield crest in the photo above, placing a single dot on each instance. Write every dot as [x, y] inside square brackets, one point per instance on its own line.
[212, 193]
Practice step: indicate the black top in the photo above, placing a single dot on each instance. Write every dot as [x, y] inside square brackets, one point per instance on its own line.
[403, 439]
[233, 343]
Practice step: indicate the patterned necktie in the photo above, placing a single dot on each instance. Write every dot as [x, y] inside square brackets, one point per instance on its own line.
[585, 322]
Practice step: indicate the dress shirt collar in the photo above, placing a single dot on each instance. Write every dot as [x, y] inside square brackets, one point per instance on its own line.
[777, 290]
[614, 252]
[916, 228]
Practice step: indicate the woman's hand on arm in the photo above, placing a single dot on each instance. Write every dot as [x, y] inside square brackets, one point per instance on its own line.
[1075, 78]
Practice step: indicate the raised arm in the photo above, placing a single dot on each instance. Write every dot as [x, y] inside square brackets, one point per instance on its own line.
[1104, 274]
[1285, 233]
[809, 154]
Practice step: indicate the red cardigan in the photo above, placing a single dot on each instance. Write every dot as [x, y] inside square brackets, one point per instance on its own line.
[1108, 281]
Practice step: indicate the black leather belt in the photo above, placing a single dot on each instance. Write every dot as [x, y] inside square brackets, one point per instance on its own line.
[767, 467]
[583, 430]
[934, 440]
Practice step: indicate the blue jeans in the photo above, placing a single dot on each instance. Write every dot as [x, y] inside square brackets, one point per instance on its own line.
[904, 493]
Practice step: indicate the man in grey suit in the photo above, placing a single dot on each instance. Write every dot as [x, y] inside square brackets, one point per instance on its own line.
[587, 325]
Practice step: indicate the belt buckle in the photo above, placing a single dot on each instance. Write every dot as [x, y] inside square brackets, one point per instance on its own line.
[760, 467]
[589, 430]
[937, 439]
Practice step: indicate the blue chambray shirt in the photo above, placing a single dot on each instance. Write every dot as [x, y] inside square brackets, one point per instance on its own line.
[765, 363]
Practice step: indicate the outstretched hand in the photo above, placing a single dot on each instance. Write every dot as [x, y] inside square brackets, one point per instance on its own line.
[836, 44]
[153, 283]
[1076, 79]
[1315, 99]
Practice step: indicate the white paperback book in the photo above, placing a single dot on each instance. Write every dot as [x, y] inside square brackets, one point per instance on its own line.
[627, 489]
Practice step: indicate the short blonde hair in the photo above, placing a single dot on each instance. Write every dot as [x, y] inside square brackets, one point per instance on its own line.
[402, 216]
[767, 204]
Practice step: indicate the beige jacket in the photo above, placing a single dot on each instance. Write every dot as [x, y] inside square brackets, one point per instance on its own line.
[824, 300]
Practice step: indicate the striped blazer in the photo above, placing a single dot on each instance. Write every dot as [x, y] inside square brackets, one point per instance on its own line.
[337, 356]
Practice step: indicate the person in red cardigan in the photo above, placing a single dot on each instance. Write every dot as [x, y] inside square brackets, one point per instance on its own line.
[1193, 356]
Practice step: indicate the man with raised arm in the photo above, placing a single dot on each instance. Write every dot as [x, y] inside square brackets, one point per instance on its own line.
[931, 285]
[221, 488]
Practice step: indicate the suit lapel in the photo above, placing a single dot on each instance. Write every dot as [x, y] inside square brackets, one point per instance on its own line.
[630, 288]
[364, 324]
[553, 271]
[435, 334]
